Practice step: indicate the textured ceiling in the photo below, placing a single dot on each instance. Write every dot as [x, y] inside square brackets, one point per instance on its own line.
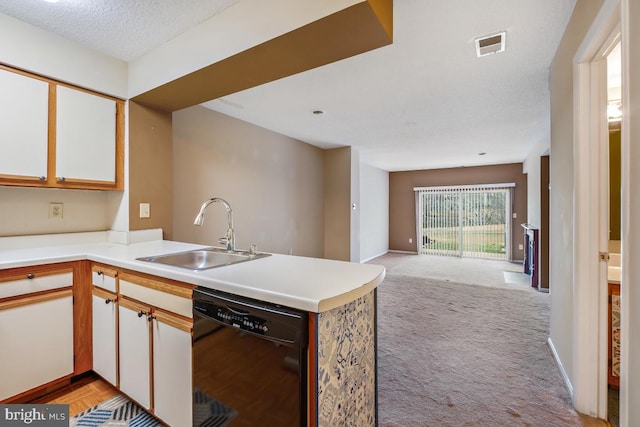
[125, 29]
[424, 102]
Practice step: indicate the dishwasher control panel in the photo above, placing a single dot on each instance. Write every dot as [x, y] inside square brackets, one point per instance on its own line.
[233, 317]
[283, 325]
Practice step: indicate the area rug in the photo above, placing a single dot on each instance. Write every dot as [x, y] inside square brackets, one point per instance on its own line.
[121, 412]
[453, 354]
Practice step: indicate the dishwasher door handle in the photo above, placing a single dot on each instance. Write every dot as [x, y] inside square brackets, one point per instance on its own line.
[238, 312]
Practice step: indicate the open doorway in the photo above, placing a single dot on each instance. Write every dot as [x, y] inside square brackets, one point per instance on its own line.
[614, 119]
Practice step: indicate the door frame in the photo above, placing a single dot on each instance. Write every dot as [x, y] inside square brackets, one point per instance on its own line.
[591, 217]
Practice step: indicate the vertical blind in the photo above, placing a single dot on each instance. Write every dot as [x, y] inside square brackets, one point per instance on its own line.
[464, 221]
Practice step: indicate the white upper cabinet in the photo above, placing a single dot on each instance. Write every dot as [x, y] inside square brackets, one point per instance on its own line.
[58, 136]
[85, 136]
[24, 116]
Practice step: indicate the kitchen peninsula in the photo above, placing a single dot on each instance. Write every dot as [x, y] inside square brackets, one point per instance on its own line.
[339, 298]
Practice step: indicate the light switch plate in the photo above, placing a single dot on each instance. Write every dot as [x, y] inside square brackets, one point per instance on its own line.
[145, 210]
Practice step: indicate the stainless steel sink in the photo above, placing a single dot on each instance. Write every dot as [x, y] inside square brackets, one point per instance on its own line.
[203, 259]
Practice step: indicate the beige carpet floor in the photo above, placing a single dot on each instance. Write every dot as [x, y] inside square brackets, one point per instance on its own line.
[459, 354]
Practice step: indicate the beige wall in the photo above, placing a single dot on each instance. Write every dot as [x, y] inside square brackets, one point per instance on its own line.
[561, 181]
[150, 168]
[25, 211]
[337, 204]
[402, 205]
[273, 183]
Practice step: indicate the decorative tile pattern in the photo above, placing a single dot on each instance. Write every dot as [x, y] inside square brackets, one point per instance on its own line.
[615, 335]
[346, 365]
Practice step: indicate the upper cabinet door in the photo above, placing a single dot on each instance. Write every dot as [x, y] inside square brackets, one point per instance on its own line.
[85, 137]
[23, 126]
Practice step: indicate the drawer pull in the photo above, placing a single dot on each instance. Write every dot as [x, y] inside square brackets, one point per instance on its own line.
[42, 178]
[141, 313]
[110, 300]
[100, 273]
[151, 317]
[30, 276]
[61, 179]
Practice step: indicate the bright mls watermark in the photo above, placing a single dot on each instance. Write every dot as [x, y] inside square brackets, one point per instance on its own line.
[34, 415]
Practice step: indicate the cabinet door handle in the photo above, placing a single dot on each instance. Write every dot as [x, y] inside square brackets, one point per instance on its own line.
[110, 300]
[62, 179]
[151, 317]
[30, 276]
[42, 178]
[141, 313]
[100, 273]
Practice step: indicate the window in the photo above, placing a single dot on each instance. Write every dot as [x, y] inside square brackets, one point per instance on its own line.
[465, 221]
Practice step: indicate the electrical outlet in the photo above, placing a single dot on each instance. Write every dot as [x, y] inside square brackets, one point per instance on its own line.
[515, 215]
[55, 210]
[520, 247]
[410, 240]
[145, 210]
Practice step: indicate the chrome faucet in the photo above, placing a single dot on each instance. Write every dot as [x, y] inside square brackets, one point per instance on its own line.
[229, 239]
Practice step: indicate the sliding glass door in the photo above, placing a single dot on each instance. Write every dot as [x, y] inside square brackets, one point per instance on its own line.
[467, 221]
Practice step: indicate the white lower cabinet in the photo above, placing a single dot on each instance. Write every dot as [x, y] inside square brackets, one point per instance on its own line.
[172, 372]
[135, 351]
[36, 341]
[105, 335]
[156, 362]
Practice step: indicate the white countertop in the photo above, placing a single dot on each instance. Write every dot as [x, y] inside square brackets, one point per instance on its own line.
[309, 284]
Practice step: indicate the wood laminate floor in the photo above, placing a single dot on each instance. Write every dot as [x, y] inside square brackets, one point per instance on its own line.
[81, 395]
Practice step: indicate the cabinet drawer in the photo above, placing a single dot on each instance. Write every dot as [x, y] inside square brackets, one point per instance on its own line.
[104, 278]
[28, 283]
[155, 297]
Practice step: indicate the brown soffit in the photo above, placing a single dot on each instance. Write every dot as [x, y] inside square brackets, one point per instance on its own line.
[357, 29]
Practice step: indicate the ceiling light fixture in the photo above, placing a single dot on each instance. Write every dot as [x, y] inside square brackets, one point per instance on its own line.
[491, 44]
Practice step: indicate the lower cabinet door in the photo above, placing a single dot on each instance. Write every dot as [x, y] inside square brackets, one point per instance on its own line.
[105, 352]
[172, 372]
[36, 342]
[135, 352]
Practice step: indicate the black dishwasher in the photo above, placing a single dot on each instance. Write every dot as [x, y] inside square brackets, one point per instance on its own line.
[249, 362]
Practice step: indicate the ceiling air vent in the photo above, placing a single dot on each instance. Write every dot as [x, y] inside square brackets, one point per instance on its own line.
[490, 44]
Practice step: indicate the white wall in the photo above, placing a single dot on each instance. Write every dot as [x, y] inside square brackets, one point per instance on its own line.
[531, 167]
[25, 210]
[356, 201]
[374, 212]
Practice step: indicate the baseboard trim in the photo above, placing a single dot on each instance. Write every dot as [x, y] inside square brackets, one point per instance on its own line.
[402, 252]
[373, 257]
[565, 377]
